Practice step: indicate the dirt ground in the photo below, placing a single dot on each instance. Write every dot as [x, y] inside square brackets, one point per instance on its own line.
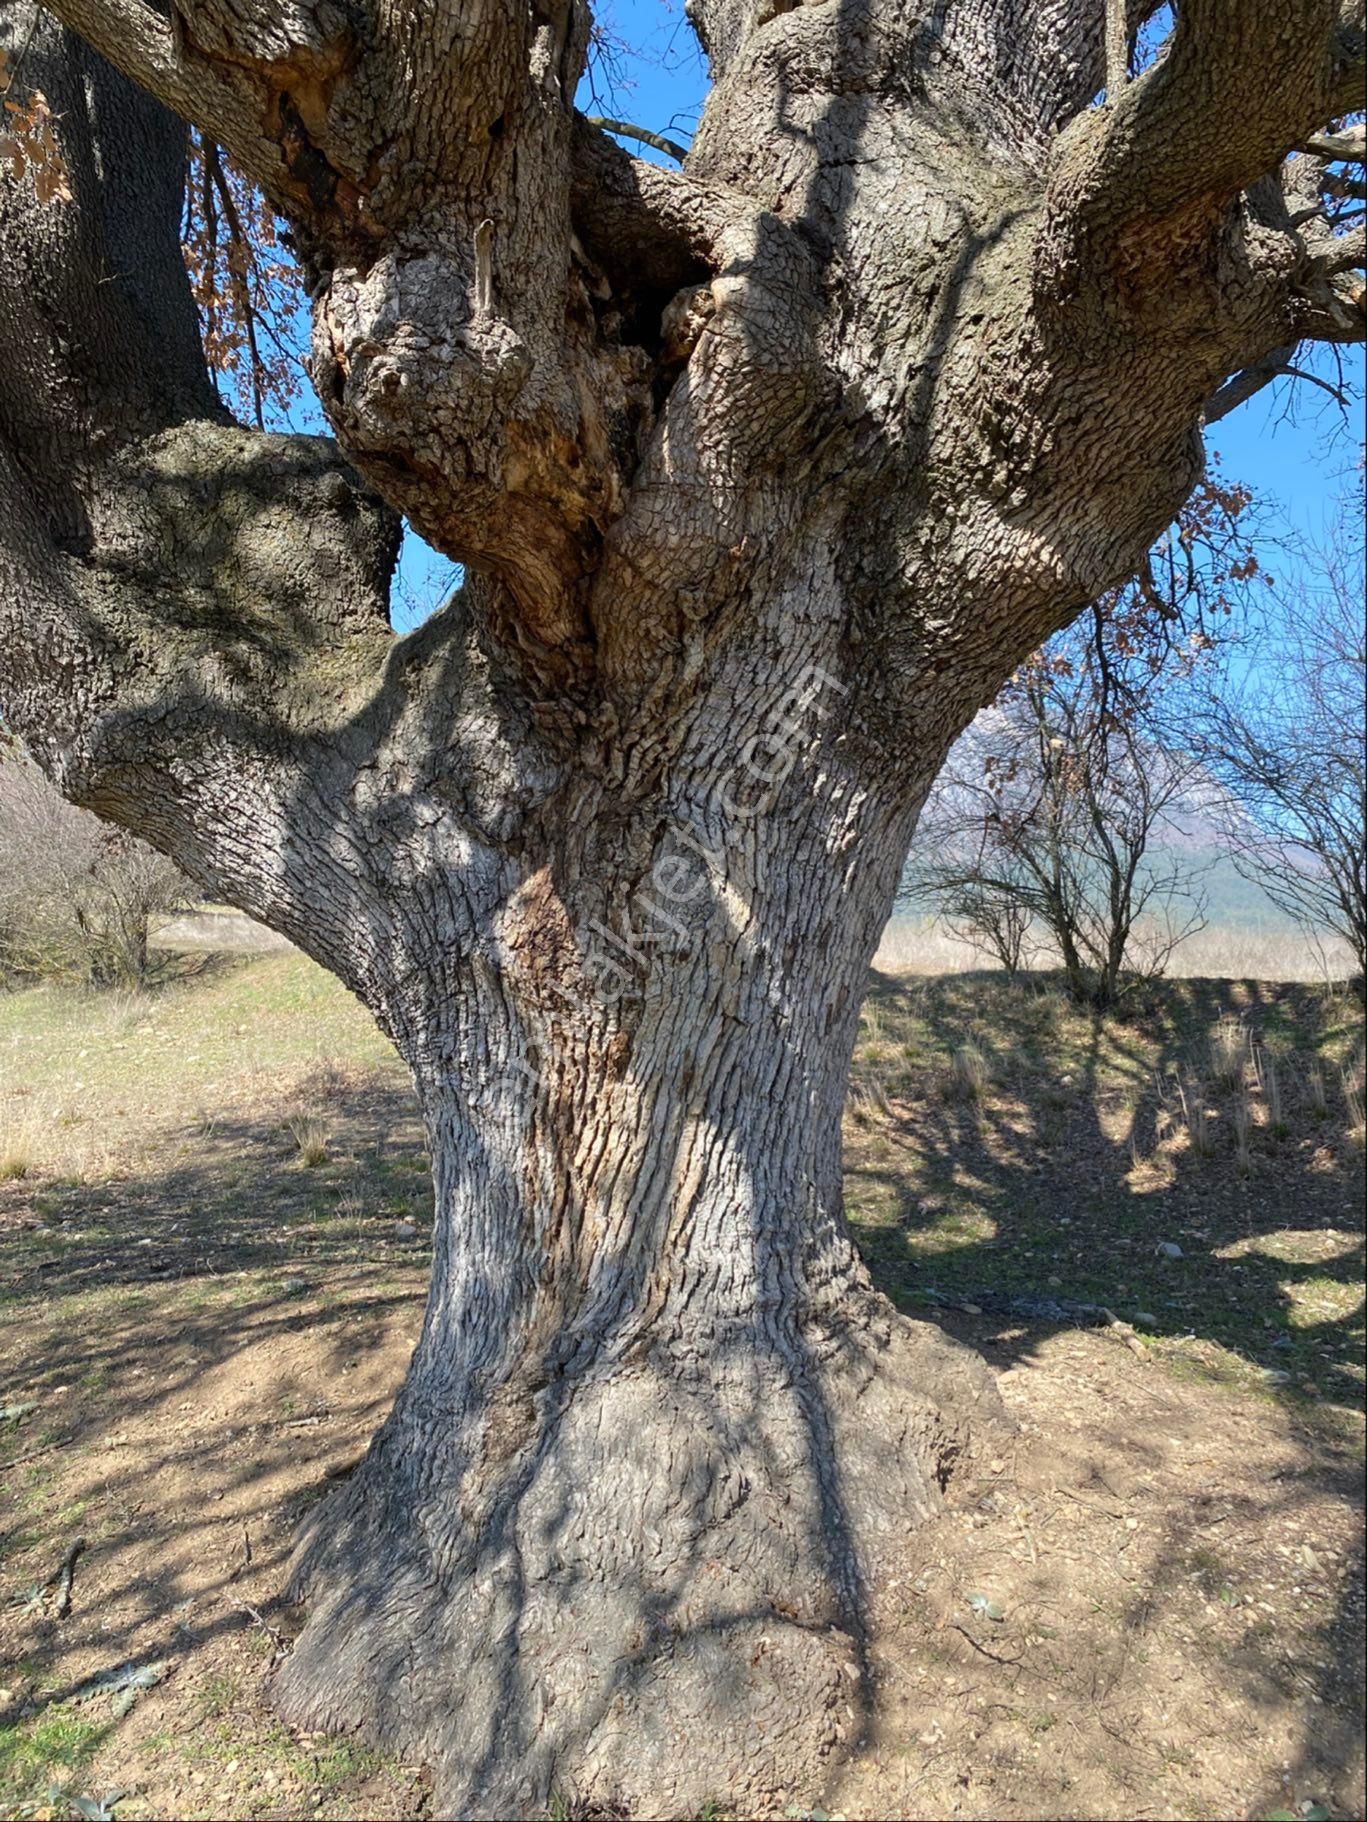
[1148, 1602]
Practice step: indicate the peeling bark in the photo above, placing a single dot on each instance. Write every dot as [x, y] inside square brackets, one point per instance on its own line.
[766, 474]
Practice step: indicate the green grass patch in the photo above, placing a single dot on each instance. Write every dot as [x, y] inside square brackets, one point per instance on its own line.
[51, 1748]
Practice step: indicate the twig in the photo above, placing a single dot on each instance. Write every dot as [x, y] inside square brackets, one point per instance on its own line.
[1126, 1333]
[238, 275]
[671, 148]
[278, 1639]
[1010, 1663]
[1091, 1504]
[63, 1576]
[46, 1448]
[246, 1553]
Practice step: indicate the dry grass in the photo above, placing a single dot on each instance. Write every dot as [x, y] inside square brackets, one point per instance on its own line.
[18, 1146]
[310, 1134]
[967, 1075]
[1271, 1084]
[1229, 1052]
[1191, 1096]
[1242, 1117]
[1353, 1100]
[1223, 952]
[178, 1316]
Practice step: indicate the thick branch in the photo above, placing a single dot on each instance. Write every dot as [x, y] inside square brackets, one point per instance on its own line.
[1249, 382]
[1146, 179]
[231, 103]
[642, 135]
[189, 613]
[1351, 144]
[455, 350]
[644, 225]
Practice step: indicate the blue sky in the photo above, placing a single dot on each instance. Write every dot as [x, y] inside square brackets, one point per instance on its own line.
[1292, 444]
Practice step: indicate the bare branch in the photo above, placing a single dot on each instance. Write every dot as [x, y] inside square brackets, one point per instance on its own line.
[1351, 144]
[1117, 48]
[1244, 385]
[1275, 366]
[670, 147]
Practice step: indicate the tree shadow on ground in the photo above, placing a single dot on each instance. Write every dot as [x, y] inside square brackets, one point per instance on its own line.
[1011, 1161]
[1060, 1174]
[212, 1322]
[144, 1300]
[327, 1176]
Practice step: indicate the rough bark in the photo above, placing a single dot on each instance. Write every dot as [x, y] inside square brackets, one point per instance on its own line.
[659, 1437]
[766, 474]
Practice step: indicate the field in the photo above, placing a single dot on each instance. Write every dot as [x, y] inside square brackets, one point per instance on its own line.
[214, 1217]
[1260, 949]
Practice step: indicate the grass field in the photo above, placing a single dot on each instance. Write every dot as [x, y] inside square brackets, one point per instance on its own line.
[214, 1214]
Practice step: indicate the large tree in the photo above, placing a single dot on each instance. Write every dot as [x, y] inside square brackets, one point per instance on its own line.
[765, 474]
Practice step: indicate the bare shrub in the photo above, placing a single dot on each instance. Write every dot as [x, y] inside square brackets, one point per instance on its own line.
[77, 897]
[1288, 743]
[1044, 833]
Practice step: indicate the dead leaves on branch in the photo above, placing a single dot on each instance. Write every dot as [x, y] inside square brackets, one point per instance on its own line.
[245, 284]
[244, 281]
[27, 140]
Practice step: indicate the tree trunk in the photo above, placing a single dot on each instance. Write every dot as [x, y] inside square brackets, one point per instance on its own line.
[660, 1437]
[766, 474]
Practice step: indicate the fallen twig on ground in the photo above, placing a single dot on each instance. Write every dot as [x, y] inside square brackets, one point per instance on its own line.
[62, 1578]
[278, 1639]
[17, 1461]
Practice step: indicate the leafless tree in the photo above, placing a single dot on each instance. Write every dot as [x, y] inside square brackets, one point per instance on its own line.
[982, 898]
[766, 472]
[77, 897]
[1057, 826]
[1287, 740]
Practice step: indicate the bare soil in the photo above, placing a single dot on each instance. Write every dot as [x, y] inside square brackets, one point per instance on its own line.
[1148, 1603]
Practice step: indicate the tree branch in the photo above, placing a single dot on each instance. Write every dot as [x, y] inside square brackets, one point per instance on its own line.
[190, 613]
[1248, 383]
[1144, 181]
[645, 225]
[230, 103]
[1346, 253]
[625, 130]
[1348, 145]
[1117, 49]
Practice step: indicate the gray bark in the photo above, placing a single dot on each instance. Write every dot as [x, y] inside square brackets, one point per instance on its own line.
[766, 474]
